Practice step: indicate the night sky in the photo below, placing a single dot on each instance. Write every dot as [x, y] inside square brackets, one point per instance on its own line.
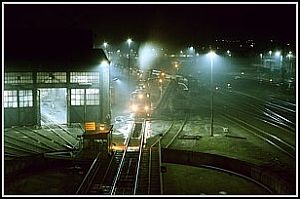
[171, 24]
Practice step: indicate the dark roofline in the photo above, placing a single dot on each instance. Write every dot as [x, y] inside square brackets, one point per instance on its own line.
[50, 50]
[70, 60]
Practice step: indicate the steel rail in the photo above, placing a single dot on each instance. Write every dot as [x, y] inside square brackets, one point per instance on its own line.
[271, 139]
[88, 179]
[118, 174]
[178, 132]
[139, 158]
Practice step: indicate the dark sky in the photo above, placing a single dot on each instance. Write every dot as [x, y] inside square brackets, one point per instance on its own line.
[171, 24]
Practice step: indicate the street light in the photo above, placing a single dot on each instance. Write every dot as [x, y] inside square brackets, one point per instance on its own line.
[260, 65]
[191, 50]
[211, 55]
[290, 55]
[105, 77]
[105, 45]
[277, 53]
[129, 41]
[270, 65]
[228, 53]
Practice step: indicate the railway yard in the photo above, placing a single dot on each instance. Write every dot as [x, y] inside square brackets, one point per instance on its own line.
[252, 150]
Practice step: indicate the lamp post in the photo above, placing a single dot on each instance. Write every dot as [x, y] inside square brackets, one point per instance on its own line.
[270, 67]
[105, 45]
[278, 61]
[129, 42]
[105, 86]
[290, 54]
[260, 65]
[211, 56]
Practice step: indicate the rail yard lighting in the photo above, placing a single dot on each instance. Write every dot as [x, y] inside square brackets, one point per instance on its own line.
[211, 55]
[278, 53]
[105, 44]
[105, 78]
[104, 63]
[290, 55]
[129, 41]
[228, 53]
[141, 96]
[134, 107]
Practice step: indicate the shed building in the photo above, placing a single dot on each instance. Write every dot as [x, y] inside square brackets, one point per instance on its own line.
[54, 81]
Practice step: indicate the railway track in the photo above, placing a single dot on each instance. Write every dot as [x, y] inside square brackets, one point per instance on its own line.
[264, 115]
[122, 169]
[277, 111]
[150, 179]
[169, 136]
[90, 183]
[126, 179]
[136, 170]
[275, 141]
[264, 122]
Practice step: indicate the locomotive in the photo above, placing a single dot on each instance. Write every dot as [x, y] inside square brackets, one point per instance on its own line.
[140, 103]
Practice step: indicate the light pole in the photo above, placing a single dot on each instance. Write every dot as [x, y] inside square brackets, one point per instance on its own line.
[211, 56]
[270, 67]
[278, 61]
[290, 54]
[105, 97]
[229, 55]
[129, 42]
[259, 67]
[105, 45]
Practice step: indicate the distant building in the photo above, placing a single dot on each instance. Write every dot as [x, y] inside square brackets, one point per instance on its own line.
[54, 76]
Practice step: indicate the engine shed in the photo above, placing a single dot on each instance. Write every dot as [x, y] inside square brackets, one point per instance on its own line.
[54, 77]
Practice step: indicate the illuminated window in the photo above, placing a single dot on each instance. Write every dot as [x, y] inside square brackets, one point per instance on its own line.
[25, 98]
[92, 96]
[10, 99]
[77, 97]
[51, 77]
[18, 78]
[84, 77]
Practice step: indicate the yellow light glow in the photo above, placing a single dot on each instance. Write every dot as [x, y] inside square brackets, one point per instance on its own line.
[118, 148]
[102, 127]
[134, 107]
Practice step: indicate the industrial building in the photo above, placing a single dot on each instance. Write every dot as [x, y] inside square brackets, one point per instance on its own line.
[54, 77]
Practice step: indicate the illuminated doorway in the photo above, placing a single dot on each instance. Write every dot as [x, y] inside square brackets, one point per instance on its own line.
[53, 105]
